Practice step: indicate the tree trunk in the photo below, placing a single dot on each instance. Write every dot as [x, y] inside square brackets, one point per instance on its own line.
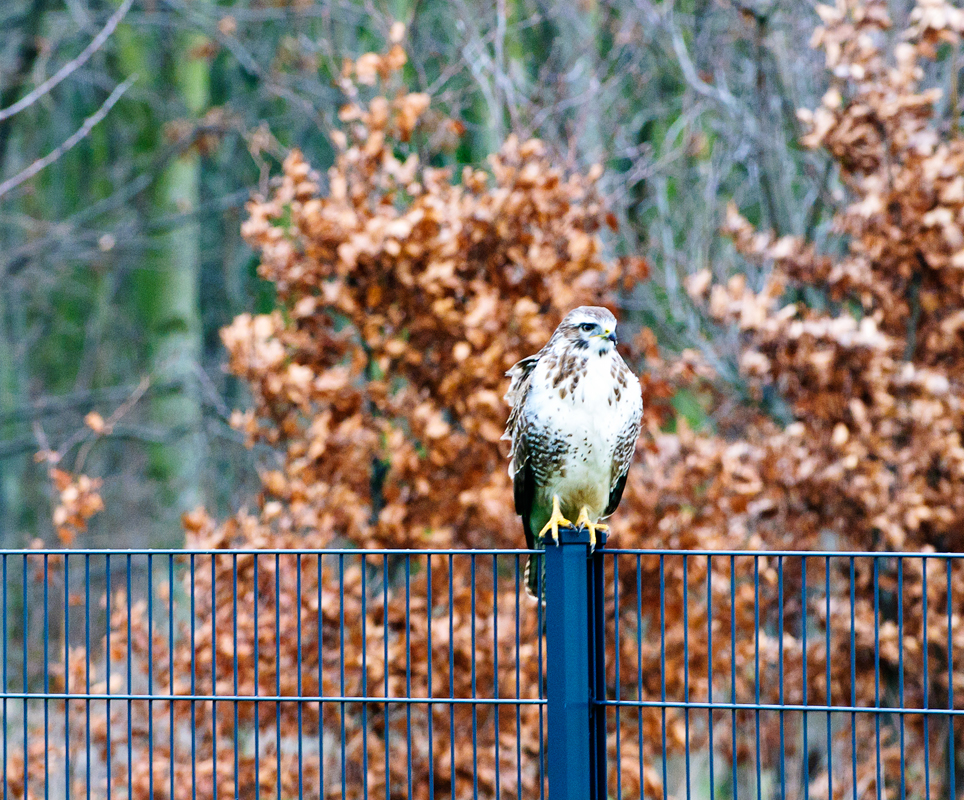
[9, 467]
[168, 294]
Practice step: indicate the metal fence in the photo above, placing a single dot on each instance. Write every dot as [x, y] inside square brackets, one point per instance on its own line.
[431, 674]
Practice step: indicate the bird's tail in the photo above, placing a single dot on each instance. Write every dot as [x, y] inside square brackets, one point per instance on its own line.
[535, 577]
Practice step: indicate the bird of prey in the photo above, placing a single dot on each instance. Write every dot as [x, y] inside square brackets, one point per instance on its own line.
[576, 412]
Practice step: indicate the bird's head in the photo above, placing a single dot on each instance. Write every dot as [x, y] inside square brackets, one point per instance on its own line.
[589, 327]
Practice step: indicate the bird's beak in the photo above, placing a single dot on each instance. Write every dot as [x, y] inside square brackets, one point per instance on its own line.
[611, 335]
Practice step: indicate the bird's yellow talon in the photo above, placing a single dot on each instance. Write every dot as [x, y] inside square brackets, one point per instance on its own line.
[555, 521]
[592, 527]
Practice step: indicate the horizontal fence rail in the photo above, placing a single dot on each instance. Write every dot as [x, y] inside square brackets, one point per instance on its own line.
[431, 674]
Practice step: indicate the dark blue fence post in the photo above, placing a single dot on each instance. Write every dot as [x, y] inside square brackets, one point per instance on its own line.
[575, 672]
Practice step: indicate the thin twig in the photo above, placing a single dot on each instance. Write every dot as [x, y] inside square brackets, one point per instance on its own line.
[769, 198]
[79, 135]
[719, 93]
[110, 422]
[44, 443]
[71, 66]
[955, 92]
[814, 214]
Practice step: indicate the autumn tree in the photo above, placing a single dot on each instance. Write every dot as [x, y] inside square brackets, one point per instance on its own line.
[865, 351]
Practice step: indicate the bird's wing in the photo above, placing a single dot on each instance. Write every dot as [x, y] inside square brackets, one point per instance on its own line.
[520, 470]
[519, 384]
[524, 492]
[616, 494]
[625, 445]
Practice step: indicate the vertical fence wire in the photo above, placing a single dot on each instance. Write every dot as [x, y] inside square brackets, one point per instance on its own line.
[805, 717]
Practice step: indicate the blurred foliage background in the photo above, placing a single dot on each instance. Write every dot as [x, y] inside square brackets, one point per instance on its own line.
[801, 327]
[121, 260]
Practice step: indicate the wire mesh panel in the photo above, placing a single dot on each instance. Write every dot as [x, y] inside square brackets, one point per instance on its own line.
[421, 674]
[276, 674]
[782, 675]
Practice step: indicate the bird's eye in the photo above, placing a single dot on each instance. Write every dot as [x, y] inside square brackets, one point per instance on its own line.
[587, 326]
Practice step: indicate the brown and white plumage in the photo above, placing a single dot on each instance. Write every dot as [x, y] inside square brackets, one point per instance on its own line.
[576, 412]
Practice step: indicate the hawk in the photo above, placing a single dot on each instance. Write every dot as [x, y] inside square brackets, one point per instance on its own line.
[576, 412]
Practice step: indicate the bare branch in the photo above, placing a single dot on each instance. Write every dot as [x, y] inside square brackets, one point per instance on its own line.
[111, 421]
[71, 66]
[72, 141]
[45, 453]
[691, 75]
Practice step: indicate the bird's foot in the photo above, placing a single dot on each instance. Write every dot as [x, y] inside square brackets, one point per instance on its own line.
[592, 527]
[555, 521]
